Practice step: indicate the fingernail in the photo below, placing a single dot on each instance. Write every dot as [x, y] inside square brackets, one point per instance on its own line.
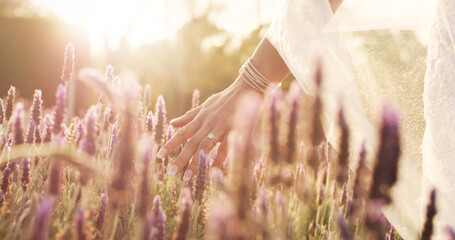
[173, 120]
[187, 175]
[173, 170]
[161, 153]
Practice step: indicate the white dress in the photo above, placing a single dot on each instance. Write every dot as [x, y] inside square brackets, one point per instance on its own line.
[305, 29]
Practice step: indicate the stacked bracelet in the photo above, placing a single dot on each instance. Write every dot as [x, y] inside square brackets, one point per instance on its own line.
[254, 78]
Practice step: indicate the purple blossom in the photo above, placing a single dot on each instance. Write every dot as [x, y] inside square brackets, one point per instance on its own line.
[18, 128]
[107, 115]
[31, 132]
[292, 129]
[101, 212]
[36, 108]
[274, 132]
[54, 179]
[68, 63]
[150, 122]
[201, 177]
[47, 129]
[80, 222]
[140, 118]
[89, 142]
[428, 227]
[345, 234]
[25, 178]
[343, 156]
[10, 103]
[6, 180]
[2, 199]
[42, 217]
[386, 169]
[109, 74]
[60, 109]
[160, 117]
[183, 226]
[80, 132]
[159, 219]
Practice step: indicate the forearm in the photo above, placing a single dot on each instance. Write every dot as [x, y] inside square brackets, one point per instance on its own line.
[269, 62]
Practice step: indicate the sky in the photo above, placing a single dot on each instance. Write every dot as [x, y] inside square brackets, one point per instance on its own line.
[153, 20]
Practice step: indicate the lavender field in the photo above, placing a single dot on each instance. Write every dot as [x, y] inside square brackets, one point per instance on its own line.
[97, 176]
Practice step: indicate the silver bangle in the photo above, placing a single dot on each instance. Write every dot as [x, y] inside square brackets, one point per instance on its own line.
[254, 78]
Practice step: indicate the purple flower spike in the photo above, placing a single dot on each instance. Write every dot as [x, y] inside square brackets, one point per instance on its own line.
[68, 63]
[101, 212]
[386, 169]
[107, 116]
[36, 108]
[159, 220]
[18, 128]
[89, 145]
[47, 129]
[2, 199]
[6, 180]
[54, 179]
[80, 222]
[109, 75]
[160, 116]
[292, 129]
[2, 112]
[427, 230]
[25, 178]
[42, 217]
[201, 176]
[60, 109]
[183, 226]
[150, 122]
[274, 132]
[10, 103]
[31, 132]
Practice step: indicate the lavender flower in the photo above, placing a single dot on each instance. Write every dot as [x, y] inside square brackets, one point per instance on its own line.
[358, 190]
[159, 219]
[10, 103]
[343, 168]
[80, 222]
[109, 74]
[31, 132]
[107, 115]
[68, 63]
[345, 234]
[89, 145]
[6, 180]
[321, 195]
[47, 129]
[195, 99]
[292, 129]
[25, 178]
[150, 122]
[142, 199]
[160, 116]
[201, 177]
[317, 135]
[386, 169]
[427, 230]
[18, 128]
[2, 199]
[274, 132]
[35, 109]
[80, 132]
[183, 226]
[42, 217]
[450, 232]
[101, 212]
[60, 109]
[2, 112]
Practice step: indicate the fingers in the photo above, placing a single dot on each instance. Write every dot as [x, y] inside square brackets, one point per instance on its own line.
[206, 145]
[186, 118]
[184, 157]
[182, 135]
[221, 154]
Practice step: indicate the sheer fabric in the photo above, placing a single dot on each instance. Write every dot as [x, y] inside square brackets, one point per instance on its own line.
[304, 29]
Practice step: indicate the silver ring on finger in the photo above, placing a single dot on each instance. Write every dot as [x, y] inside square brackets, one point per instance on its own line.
[212, 137]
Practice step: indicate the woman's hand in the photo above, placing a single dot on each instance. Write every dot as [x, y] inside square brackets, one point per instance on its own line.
[212, 117]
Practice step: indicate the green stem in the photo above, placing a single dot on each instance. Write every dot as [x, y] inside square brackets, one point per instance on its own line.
[114, 228]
